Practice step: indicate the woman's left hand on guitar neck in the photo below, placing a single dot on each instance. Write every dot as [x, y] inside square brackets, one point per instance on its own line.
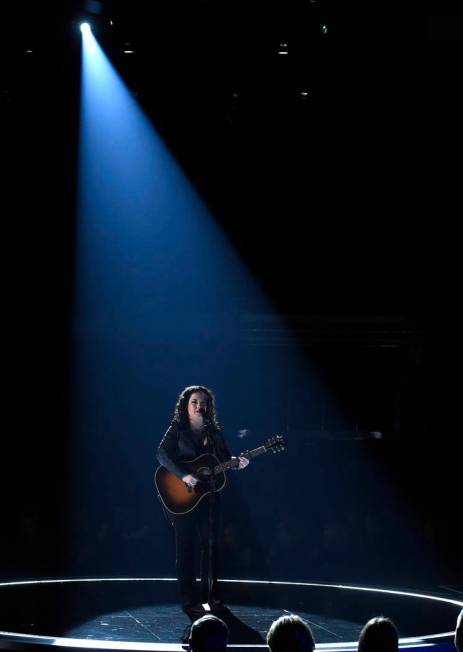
[243, 462]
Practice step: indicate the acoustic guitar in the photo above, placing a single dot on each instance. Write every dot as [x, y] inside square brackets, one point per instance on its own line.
[178, 498]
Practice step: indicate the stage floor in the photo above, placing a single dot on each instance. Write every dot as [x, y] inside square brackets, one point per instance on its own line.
[143, 613]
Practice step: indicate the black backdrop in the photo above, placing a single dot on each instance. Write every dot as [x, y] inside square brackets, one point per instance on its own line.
[353, 190]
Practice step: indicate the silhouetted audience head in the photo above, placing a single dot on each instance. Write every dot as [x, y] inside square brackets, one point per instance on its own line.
[208, 634]
[379, 635]
[459, 633]
[290, 634]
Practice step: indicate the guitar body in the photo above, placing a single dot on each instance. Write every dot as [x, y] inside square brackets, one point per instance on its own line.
[176, 496]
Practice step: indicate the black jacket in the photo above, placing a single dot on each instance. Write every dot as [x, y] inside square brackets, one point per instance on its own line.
[179, 446]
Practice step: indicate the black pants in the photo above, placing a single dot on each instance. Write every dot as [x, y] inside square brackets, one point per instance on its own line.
[192, 536]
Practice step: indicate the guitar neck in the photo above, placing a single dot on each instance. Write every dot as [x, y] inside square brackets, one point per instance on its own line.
[234, 463]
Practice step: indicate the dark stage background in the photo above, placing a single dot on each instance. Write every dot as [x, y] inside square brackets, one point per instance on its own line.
[345, 204]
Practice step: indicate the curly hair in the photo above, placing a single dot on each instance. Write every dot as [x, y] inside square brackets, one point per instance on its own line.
[181, 407]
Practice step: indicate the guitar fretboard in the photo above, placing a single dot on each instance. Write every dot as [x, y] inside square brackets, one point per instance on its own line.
[232, 464]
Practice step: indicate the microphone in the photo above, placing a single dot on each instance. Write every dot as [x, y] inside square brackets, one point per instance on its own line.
[206, 419]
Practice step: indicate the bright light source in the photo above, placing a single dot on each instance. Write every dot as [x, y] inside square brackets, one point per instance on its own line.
[85, 28]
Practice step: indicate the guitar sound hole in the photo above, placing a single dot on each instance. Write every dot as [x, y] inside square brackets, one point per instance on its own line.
[204, 473]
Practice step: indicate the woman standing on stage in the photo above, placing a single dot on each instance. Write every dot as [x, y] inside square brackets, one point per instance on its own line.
[194, 431]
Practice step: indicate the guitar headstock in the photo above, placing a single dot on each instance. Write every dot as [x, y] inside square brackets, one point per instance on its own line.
[275, 444]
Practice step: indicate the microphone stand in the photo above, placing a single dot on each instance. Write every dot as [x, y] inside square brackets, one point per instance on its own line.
[210, 574]
[212, 487]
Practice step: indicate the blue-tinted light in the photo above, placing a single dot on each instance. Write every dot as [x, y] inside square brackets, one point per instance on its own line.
[85, 28]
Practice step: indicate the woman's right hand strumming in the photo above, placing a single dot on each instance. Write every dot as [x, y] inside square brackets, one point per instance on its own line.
[190, 480]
